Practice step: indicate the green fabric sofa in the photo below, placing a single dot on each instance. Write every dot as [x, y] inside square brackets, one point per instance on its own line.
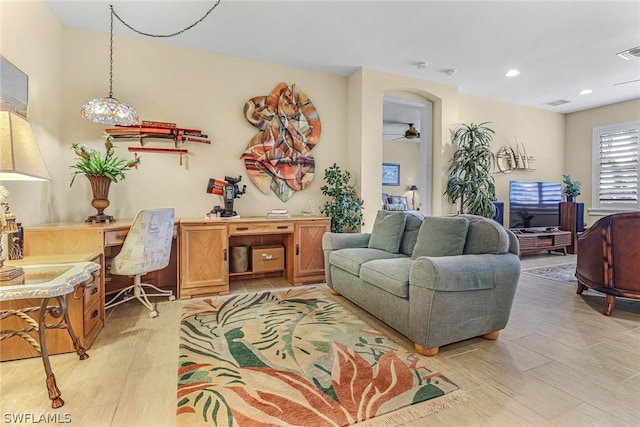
[436, 280]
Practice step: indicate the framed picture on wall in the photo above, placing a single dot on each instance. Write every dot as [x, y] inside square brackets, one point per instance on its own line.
[390, 174]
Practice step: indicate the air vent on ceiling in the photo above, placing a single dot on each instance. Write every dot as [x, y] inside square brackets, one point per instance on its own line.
[558, 102]
[630, 54]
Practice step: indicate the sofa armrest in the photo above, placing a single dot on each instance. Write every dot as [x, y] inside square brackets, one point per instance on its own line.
[464, 273]
[333, 241]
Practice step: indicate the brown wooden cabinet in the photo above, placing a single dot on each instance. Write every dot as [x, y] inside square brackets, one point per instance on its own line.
[547, 241]
[86, 312]
[205, 248]
[308, 255]
[204, 259]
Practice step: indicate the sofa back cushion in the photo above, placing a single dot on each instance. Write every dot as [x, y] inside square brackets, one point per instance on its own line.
[485, 236]
[411, 230]
[387, 231]
[441, 236]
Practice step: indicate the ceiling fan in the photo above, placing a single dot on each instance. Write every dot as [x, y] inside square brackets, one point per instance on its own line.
[410, 133]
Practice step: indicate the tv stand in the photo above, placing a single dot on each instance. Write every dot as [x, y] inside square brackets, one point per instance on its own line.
[536, 241]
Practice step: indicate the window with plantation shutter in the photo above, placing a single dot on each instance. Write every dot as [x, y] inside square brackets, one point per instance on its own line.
[615, 167]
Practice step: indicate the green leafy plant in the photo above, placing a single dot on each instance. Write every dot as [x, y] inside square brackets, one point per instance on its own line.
[470, 182]
[92, 162]
[345, 206]
[572, 188]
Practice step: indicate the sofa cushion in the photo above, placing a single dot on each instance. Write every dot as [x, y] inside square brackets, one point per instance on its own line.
[485, 236]
[350, 259]
[387, 231]
[391, 275]
[441, 236]
[411, 230]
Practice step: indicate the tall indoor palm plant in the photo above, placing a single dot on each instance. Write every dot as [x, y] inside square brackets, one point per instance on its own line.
[470, 182]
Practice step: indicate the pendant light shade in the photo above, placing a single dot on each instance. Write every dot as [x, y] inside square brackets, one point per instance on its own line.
[109, 110]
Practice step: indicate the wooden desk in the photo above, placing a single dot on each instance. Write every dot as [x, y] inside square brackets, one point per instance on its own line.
[62, 238]
[547, 241]
[204, 250]
[86, 311]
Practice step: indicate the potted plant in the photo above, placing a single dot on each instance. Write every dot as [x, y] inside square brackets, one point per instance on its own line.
[470, 182]
[100, 170]
[344, 207]
[572, 189]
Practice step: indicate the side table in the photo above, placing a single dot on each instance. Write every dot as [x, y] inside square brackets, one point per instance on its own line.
[49, 282]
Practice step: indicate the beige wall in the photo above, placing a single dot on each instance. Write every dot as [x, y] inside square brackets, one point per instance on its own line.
[207, 91]
[31, 38]
[579, 138]
[541, 132]
[405, 154]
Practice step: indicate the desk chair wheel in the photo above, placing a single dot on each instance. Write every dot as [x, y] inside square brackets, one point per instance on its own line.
[172, 297]
[153, 314]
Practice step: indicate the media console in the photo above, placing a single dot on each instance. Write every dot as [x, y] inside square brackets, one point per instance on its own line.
[536, 241]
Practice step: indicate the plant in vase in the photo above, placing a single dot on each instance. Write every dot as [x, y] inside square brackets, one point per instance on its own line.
[100, 169]
[572, 189]
[344, 207]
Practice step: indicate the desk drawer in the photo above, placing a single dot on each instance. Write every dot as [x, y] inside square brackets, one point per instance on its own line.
[92, 319]
[91, 295]
[115, 237]
[261, 228]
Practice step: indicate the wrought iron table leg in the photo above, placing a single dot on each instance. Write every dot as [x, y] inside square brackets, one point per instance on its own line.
[52, 387]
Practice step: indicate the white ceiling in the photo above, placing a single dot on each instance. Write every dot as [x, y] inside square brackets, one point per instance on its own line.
[559, 47]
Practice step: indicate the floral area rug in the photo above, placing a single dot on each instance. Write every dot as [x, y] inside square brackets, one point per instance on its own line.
[560, 272]
[297, 357]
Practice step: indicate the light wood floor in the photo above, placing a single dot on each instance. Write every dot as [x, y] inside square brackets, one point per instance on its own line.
[559, 362]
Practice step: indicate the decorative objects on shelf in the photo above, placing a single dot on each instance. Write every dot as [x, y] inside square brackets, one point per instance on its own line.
[278, 156]
[109, 109]
[100, 171]
[159, 130]
[508, 159]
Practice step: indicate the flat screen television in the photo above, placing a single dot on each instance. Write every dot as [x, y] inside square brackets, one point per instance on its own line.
[534, 204]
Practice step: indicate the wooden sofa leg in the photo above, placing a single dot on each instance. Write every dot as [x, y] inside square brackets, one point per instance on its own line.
[334, 292]
[581, 288]
[491, 335]
[426, 351]
[609, 304]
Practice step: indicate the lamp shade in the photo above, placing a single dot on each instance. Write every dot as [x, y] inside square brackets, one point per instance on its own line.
[413, 188]
[20, 158]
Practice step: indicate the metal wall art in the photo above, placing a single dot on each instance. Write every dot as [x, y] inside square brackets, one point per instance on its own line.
[278, 156]
[508, 159]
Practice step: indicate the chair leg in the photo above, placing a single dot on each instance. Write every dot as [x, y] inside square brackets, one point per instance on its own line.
[609, 304]
[159, 292]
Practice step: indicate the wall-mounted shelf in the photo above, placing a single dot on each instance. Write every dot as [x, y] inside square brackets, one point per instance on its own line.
[158, 130]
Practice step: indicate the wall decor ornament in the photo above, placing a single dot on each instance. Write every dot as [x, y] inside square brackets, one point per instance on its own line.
[278, 156]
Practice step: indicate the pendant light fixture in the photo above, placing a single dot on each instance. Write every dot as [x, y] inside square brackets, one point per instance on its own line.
[109, 110]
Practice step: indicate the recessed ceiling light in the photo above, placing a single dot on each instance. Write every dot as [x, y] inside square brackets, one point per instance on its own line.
[585, 92]
[512, 73]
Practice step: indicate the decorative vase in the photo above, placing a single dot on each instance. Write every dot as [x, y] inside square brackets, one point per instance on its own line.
[100, 189]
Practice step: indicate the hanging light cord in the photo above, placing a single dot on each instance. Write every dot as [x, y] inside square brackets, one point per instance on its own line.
[162, 35]
[111, 56]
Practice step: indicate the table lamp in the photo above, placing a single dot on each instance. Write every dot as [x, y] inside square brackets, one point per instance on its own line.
[413, 190]
[20, 160]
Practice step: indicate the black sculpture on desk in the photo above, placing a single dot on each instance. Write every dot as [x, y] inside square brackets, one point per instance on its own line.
[230, 191]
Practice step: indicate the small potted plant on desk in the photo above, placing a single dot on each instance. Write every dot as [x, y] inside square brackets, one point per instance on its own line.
[101, 171]
[571, 188]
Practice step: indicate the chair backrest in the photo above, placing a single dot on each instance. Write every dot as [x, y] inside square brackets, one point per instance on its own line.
[148, 243]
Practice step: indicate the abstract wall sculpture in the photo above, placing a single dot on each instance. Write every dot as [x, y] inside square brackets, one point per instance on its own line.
[278, 156]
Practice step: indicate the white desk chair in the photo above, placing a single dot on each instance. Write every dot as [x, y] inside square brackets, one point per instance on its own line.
[146, 248]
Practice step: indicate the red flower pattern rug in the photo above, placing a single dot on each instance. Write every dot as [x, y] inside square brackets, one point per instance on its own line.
[296, 357]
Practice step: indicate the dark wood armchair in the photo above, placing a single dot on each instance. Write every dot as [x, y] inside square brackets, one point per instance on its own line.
[609, 258]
